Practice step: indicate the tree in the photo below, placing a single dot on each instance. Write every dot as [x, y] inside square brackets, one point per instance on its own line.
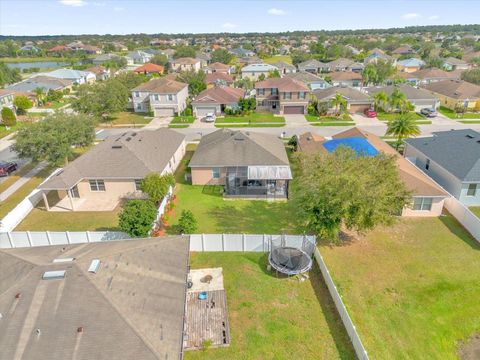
[433, 62]
[261, 77]
[398, 101]
[299, 57]
[274, 74]
[384, 70]
[222, 56]
[8, 117]
[137, 217]
[115, 63]
[343, 189]
[194, 79]
[22, 103]
[156, 186]
[402, 127]
[380, 100]
[187, 224]
[472, 76]
[184, 51]
[247, 104]
[160, 59]
[39, 95]
[8, 76]
[369, 74]
[54, 138]
[339, 103]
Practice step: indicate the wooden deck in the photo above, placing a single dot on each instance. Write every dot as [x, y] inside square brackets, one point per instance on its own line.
[207, 320]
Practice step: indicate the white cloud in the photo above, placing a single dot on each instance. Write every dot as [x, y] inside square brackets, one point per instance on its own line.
[433, 17]
[99, 3]
[228, 25]
[275, 11]
[118, 8]
[73, 2]
[410, 16]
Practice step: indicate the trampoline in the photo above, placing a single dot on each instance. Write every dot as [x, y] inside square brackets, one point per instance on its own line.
[291, 258]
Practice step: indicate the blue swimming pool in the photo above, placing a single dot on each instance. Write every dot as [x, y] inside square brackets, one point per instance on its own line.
[360, 145]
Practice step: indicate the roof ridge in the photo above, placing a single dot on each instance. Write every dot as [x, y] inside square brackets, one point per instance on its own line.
[262, 146]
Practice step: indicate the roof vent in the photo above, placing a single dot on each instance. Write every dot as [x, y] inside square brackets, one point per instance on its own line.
[52, 275]
[128, 139]
[18, 295]
[134, 134]
[94, 265]
[469, 136]
[116, 146]
[80, 329]
[63, 260]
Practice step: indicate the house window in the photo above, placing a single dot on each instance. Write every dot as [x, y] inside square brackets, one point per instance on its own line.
[97, 185]
[216, 173]
[138, 184]
[427, 164]
[287, 95]
[472, 190]
[139, 106]
[136, 94]
[155, 97]
[261, 92]
[274, 91]
[170, 97]
[301, 95]
[422, 203]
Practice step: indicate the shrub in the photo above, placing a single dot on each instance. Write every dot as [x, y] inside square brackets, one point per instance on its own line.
[187, 224]
[156, 186]
[8, 117]
[137, 217]
[188, 111]
[22, 103]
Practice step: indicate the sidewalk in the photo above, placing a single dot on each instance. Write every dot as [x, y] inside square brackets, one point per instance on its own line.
[22, 181]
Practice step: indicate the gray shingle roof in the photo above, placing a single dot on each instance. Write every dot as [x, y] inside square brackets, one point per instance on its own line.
[350, 94]
[131, 155]
[226, 147]
[132, 308]
[457, 151]
[411, 92]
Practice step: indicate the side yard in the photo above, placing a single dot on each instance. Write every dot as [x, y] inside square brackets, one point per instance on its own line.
[274, 318]
[411, 289]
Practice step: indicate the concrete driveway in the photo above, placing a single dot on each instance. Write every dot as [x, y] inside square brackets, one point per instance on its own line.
[295, 120]
[362, 120]
[158, 122]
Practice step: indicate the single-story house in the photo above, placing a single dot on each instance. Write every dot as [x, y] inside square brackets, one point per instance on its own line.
[111, 171]
[427, 76]
[282, 95]
[218, 78]
[100, 59]
[378, 54]
[312, 66]
[150, 68]
[77, 76]
[403, 50]
[420, 98]
[247, 164]
[216, 99]
[241, 52]
[100, 72]
[84, 301]
[410, 65]
[452, 63]
[255, 71]
[6, 98]
[340, 64]
[356, 67]
[454, 93]
[285, 68]
[451, 158]
[43, 82]
[138, 57]
[185, 64]
[357, 101]
[346, 78]
[427, 196]
[218, 67]
[163, 96]
[313, 81]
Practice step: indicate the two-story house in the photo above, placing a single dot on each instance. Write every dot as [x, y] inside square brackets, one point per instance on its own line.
[163, 96]
[282, 96]
[185, 64]
[452, 159]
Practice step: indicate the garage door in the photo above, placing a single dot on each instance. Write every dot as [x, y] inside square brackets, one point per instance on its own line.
[202, 111]
[163, 112]
[358, 108]
[293, 109]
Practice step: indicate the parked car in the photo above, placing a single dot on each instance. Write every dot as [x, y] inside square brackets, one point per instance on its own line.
[428, 112]
[370, 113]
[7, 167]
[210, 118]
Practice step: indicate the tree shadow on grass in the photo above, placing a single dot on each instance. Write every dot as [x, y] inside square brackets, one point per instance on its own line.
[459, 231]
[334, 322]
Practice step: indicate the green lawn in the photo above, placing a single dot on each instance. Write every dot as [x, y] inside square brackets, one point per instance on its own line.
[4, 131]
[253, 125]
[452, 115]
[15, 176]
[182, 120]
[382, 116]
[178, 126]
[128, 117]
[475, 210]
[274, 318]
[254, 118]
[56, 105]
[274, 59]
[35, 59]
[411, 289]
[329, 120]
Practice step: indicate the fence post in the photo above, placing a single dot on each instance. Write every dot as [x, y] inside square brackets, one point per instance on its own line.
[263, 243]
[9, 236]
[48, 237]
[203, 242]
[88, 236]
[29, 238]
[68, 237]
[244, 238]
[223, 242]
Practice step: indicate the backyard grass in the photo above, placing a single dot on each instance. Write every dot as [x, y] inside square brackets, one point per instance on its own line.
[452, 115]
[254, 118]
[411, 289]
[274, 318]
[128, 117]
[333, 123]
[274, 59]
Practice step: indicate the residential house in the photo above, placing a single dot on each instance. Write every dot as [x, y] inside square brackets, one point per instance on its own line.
[58, 49]
[378, 54]
[452, 63]
[65, 317]
[353, 49]
[255, 71]
[77, 76]
[247, 164]
[346, 78]
[185, 64]
[427, 76]
[420, 98]
[162, 96]
[313, 81]
[218, 67]
[43, 82]
[403, 50]
[100, 72]
[29, 49]
[453, 93]
[249, 60]
[285, 68]
[138, 57]
[340, 64]
[452, 159]
[282, 96]
[215, 100]
[241, 52]
[100, 59]
[6, 98]
[427, 196]
[112, 170]
[204, 58]
[357, 101]
[312, 66]
[218, 78]
[118, 46]
[355, 67]
[410, 65]
[150, 68]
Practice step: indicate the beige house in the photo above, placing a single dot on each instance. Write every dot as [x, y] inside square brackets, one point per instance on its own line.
[282, 96]
[255, 72]
[186, 64]
[113, 170]
[456, 93]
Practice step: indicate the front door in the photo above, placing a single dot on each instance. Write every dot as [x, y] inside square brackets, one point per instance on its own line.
[74, 192]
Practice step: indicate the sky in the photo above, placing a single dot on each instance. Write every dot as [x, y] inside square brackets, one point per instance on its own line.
[74, 17]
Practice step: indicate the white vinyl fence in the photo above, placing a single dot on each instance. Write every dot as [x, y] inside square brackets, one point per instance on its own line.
[464, 216]
[162, 207]
[18, 239]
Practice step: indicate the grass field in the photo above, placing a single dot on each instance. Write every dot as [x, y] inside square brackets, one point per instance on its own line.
[411, 289]
[248, 125]
[329, 120]
[273, 318]
[182, 120]
[452, 115]
[128, 117]
[254, 118]
[274, 59]
[382, 116]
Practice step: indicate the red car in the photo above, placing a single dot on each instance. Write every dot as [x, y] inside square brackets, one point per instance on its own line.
[7, 167]
[370, 113]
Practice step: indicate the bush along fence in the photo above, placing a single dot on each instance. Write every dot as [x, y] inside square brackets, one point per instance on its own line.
[163, 213]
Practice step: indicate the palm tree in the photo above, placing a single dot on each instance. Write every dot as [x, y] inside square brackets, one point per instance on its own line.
[380, 100]
[402, 127]
[339, 103]
[39, 94]
[398, 100]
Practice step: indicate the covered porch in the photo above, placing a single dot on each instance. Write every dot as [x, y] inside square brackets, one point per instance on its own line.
[269, 105]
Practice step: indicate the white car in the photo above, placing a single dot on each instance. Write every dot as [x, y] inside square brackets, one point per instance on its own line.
[210, 118]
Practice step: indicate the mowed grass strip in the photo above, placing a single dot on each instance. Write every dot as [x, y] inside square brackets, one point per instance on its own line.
[274, 318]
[253, 118]
[411, 289]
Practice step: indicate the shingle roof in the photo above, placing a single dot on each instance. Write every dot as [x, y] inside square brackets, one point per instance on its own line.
[226, 147]
[283, 65]
[305, 77]
[341, 63]
[211, 78]
[41, 81]
[457, 151]
[219, 95]
[412, 62]
[456, 89]
[259, 68]
[454, 61]
[69, 74]
[350, 94]
[434, 73]
[186, 61]
[161, 86]
[131, 155]
[132, 308]
[282, 84]
[218, 66]
[345, 75]
[411, 92]
[312, 63]
[149, 68]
